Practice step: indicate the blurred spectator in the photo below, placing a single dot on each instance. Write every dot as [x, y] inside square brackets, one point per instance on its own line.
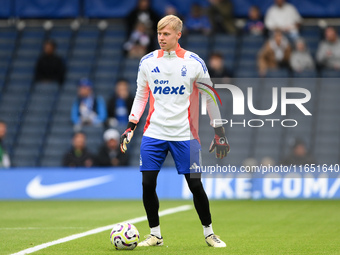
[250, 162]
[171, 10]
[254, 25]
[137, 45]
[5, 161]
[301, 59]
[299, 155]
[328, 53]
[285, 17]
[119, 105]
[88, 109]
[216, 66]
[109, 153]
[197, 22]
[78, 155]
[221, 17]
[143, 14]
[49, 66]
[274, 54]
[267, 161]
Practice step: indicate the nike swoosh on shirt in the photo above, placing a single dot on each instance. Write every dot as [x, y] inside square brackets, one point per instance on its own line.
[37, 190]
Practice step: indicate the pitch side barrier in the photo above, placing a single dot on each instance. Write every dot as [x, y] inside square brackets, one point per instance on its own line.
[125, 183]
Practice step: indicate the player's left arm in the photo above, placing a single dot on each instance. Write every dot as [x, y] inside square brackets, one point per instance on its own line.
[220, 142]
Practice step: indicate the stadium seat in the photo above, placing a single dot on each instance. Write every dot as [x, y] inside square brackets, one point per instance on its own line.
[34, 112]
[305, 74]
[312, 35]
[278, 73]
[51, 161]
[62, 36]
[327, 137]
[327, 73]
[25, 160]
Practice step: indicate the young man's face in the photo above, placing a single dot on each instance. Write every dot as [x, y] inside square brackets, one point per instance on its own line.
[84, 91]
[3, 130]
[168, 38]
[79, 141]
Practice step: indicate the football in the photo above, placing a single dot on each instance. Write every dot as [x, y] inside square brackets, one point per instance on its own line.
[124, 236]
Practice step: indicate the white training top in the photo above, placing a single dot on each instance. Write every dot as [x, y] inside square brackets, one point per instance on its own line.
[283, 17]
[170, 81]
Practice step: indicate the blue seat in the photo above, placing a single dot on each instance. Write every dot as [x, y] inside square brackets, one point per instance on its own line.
[29, 144]
[8, 33]
[278, 73]
[73, 78]
[251, 41]
[88, 32]
[65, 130]
[51, 161]
[12, 101]
[115, 42]
[109, 50]
[225, 40]
[7, 46]
[312, 45]
[65, 102]
[118, 31]
[59, 141]
[106, 60]
[327, 149]
[79, 69]
[242, 72]
[305, 74]
[81, 54]
[248, 62]
[311, 32]
[33, 32]
[194, 41]
[131, 63]
[23, 160]
[328, 73]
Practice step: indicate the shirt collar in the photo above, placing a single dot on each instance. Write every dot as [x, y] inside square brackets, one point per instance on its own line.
[179, 52]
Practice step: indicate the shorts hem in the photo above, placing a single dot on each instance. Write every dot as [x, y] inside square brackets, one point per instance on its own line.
[145, 170]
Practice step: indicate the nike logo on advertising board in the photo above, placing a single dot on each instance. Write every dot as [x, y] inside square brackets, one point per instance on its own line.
[37, 190]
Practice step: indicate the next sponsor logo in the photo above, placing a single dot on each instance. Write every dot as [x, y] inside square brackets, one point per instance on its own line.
[169, 90]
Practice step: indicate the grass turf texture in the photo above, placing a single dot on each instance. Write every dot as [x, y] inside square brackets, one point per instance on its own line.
[248, 227]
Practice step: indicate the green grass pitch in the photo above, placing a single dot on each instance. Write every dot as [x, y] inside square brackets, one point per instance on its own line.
[248, 227]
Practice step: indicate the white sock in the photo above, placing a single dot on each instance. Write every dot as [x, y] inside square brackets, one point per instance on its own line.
[156, 231]
[208, 230]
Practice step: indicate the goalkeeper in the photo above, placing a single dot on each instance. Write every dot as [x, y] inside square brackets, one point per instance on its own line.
[168, 78]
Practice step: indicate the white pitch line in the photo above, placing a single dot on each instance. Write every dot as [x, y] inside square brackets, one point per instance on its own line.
[41, 228]
[98, 230]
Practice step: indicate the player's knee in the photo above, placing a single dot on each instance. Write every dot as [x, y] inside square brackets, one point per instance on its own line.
[195, 185]
[149, 185]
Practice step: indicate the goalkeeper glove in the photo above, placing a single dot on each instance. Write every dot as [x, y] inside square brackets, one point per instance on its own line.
[127, 136]
[220, 143]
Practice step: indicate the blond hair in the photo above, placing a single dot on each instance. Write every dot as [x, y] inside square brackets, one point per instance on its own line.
[173, 21]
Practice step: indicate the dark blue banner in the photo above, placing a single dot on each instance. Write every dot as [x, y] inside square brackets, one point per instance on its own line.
[307, 8]
[47, 8]
[107, 9]
[6, 9]
[120, 9]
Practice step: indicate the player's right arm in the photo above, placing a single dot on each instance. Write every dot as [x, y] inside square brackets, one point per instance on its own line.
[138, 107]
